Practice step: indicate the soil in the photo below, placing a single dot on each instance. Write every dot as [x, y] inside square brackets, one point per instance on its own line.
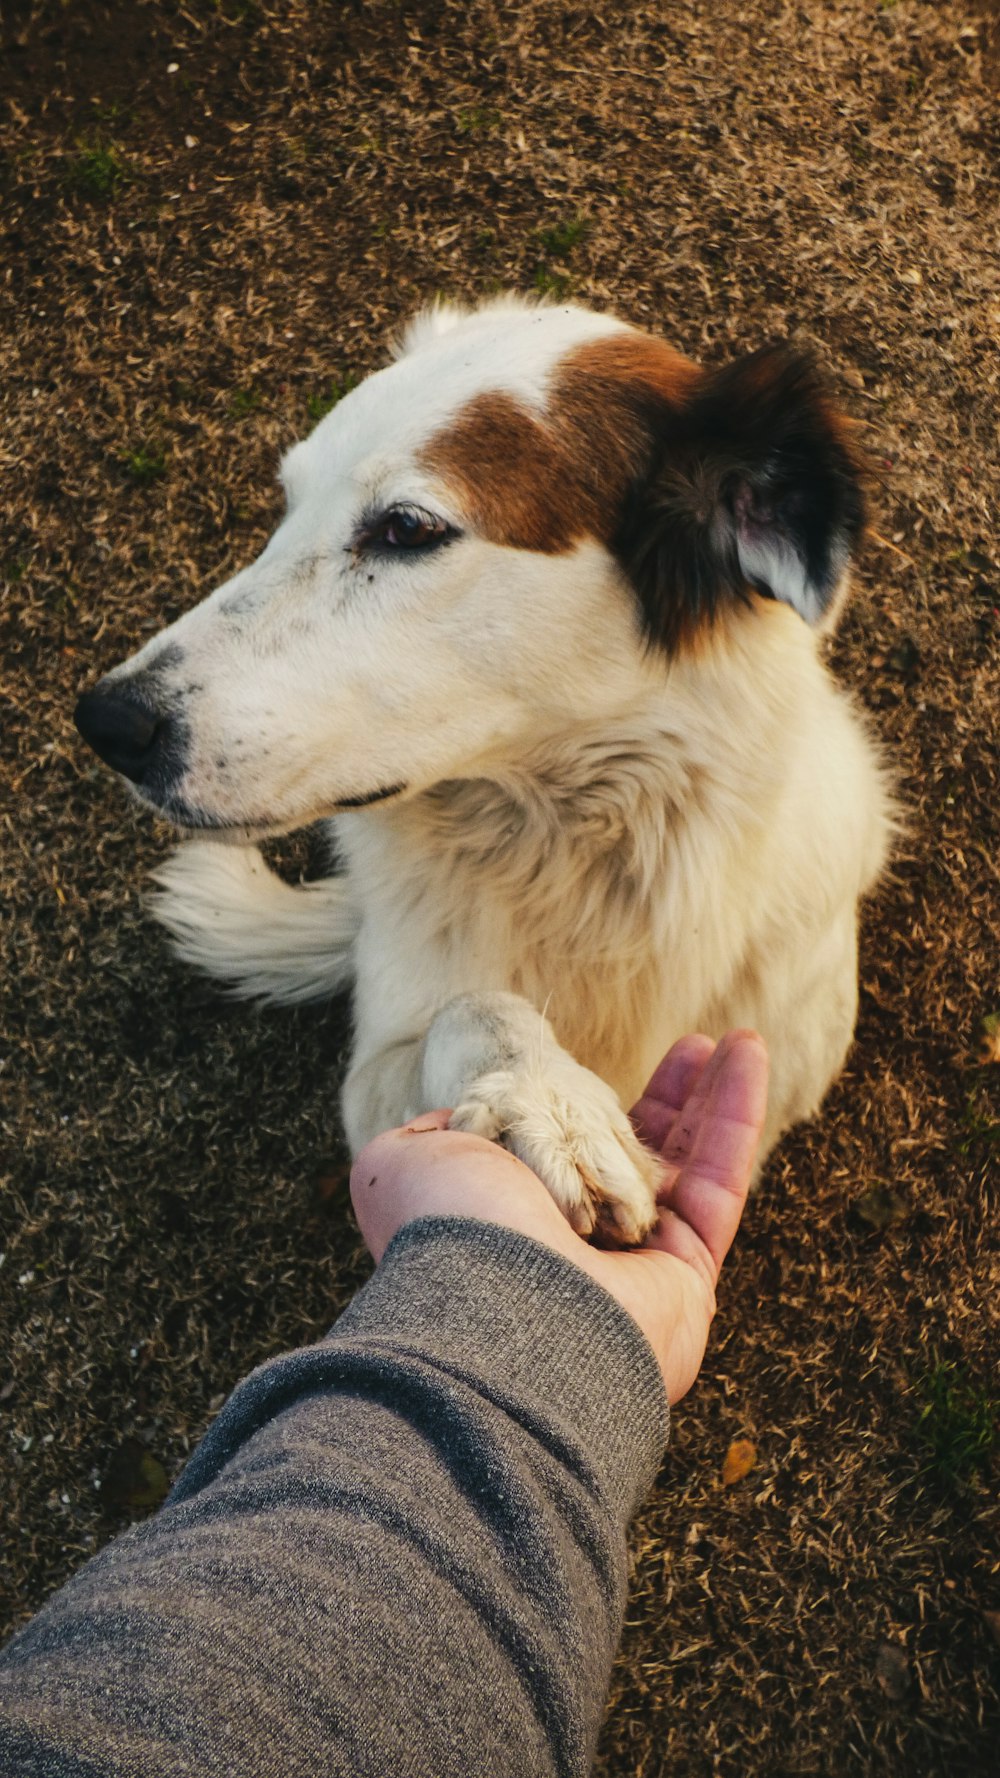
[212, 215]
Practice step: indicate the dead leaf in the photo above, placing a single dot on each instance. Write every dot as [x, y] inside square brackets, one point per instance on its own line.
[136, 1481]
[331, 1180]
[739, 1461]
[904, 658]
[992, 1621]
[990, 1051]
[880, 1207]
[892, 1670]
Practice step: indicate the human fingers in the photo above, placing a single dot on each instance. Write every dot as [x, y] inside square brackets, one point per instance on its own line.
[679, 1142]
[716, 1153]
[671, 1086]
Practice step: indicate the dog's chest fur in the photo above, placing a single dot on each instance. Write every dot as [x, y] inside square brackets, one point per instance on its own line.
[615, 875]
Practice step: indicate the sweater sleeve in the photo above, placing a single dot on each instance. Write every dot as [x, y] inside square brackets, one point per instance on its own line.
[399, 1551]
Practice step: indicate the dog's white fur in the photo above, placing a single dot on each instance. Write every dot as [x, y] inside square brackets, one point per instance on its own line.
[598, 848]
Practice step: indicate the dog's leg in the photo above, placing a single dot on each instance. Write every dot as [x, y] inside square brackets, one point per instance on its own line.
[382, 1092]
[231, 916]
[495, 1060]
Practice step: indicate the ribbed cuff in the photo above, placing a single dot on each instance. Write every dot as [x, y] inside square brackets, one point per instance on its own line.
[528, 1329]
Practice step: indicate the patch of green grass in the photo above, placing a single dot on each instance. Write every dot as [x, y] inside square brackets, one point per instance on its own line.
[959, 1423]
[295, 150]
[243, 402]
[145, 465]
[979, 1125]
[559, 242]
[114, 113]
[971, 561]
[554, 284]
[477, 120]
[237, 12]
[322, 400]
[14, 569]
[97, 170]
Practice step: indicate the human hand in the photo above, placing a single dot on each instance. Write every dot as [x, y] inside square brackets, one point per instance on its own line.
[703, 1112]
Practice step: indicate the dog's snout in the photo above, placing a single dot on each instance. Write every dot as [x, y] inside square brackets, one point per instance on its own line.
[122, 729]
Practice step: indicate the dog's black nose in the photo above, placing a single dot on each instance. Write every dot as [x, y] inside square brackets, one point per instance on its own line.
[125, 733]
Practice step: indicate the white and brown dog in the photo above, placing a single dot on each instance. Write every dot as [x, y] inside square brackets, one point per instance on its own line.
[538, 638]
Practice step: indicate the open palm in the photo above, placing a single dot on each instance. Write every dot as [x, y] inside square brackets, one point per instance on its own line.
[702, 1112]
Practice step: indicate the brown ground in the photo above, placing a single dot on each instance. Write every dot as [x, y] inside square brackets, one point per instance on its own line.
[192, 262]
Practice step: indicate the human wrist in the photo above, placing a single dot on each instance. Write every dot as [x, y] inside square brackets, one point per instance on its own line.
[521, 1323]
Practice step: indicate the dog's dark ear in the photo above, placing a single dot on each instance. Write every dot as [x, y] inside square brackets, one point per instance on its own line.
[752, 484]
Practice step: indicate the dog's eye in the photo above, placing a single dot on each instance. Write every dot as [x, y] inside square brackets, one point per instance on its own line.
[406, 527]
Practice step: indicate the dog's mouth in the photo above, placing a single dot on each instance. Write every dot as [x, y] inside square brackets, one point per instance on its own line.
[147, 742]
[373, 796]
[192, 820]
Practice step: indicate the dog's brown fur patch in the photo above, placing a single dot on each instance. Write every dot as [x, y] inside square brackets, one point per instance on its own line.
[512, 473]
[543, 483]
[605, 395]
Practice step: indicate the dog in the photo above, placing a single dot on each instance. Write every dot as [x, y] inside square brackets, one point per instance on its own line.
[539, 641]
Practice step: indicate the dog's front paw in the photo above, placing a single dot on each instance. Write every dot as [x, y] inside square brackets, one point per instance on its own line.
[569, 1128]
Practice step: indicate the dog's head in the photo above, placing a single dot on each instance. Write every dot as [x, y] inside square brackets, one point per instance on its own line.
[512, 528]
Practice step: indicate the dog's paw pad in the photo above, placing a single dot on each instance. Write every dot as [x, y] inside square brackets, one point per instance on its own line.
[479, 1117]
[580, 1144]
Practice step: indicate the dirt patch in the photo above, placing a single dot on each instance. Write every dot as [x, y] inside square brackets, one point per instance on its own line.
[211, 216]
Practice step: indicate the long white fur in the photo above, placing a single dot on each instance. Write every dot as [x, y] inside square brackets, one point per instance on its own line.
[635, 848]
[231, 916]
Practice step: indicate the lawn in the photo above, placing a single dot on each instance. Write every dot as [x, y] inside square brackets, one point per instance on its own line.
[213, 215]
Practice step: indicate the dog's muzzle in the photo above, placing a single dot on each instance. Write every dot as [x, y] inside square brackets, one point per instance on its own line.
[130, 734]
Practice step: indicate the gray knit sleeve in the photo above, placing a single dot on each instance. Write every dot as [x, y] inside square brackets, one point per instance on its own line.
[400, 1551]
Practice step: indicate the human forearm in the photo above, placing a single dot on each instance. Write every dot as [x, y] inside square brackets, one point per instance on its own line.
[401, 1550]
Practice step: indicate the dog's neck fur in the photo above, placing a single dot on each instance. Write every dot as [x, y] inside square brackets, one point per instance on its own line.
[578, 858]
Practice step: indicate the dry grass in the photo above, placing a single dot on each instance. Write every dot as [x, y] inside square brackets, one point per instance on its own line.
[193, 263]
